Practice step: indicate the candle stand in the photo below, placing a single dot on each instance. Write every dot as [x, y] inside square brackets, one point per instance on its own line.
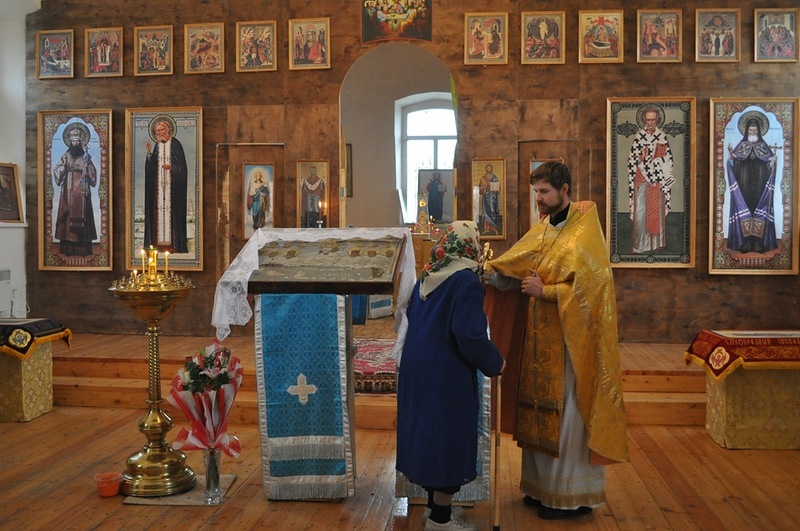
[157, 469]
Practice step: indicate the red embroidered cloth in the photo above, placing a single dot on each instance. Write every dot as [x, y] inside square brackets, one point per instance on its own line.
[723, 351]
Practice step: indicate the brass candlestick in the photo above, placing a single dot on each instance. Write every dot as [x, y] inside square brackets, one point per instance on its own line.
[158, 469]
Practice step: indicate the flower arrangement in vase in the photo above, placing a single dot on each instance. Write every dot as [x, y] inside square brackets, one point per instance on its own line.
[204, 389]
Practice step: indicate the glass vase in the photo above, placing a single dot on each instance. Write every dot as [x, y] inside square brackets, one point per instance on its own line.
[213, 492]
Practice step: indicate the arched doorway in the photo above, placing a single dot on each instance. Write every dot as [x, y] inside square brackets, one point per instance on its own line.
[388, 73]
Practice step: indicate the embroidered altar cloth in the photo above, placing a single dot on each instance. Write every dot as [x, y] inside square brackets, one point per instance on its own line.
[723, 351]
[26, 366]
[304, 411]
[19, 337]
[751, 386]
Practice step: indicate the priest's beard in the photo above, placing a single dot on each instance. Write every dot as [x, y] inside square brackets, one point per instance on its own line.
[548, 210]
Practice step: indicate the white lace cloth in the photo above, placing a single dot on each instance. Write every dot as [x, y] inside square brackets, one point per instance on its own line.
[230, 298]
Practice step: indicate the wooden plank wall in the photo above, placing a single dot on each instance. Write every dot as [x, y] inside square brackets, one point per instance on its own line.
[501, 109]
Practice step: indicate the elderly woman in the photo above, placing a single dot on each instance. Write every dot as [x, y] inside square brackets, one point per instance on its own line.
[446, 343]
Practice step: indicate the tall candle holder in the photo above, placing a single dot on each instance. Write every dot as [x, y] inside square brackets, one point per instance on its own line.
[157, 469]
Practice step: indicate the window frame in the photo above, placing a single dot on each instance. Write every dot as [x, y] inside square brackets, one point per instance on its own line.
[403, 108]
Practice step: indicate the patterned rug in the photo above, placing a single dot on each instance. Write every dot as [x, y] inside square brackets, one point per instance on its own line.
[374, 366]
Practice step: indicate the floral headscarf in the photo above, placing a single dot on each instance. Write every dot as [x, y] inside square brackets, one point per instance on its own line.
[457, 249]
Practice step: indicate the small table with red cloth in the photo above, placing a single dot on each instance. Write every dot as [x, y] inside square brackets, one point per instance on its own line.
[26, 367]
[752, 386]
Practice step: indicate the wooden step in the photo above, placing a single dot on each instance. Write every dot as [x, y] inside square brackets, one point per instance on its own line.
[678, 409]
[132, 393]
[127, 368]
[371, 411]
[377, 412]
[113, 372]
[64, 365]
[665, 382]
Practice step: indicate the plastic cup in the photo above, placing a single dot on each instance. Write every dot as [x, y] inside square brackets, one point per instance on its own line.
[108, 483]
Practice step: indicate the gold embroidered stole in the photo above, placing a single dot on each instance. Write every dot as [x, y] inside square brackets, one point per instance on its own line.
[541, 380]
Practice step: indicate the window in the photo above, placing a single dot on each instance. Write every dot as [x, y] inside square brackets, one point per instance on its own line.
[427, 140]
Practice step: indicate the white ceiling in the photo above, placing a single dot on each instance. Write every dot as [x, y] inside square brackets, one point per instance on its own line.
[17, 9]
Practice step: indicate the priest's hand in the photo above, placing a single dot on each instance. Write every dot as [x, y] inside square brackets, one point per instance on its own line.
[532, 285]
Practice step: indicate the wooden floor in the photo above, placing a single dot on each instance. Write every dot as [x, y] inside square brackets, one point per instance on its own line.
[678, 478]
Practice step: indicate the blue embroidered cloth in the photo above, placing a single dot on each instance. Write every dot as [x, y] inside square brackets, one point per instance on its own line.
[301, 365]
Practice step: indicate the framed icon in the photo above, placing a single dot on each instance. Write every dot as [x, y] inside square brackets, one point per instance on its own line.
[485, 38]
[403, 21]
[542, 37]
[489, 197]
[10, 195]
[103, 52]
[255, 46]
[651, 182]
[164, 185]
[753, 186]
[439, 187]
[312, 193]
[309, 43]
[153, 49]
[600, 37]
[776, 35]
[719, 37]
[75, 190]
[55, 53]
[259, 194]
[659, 36]
[204, 48]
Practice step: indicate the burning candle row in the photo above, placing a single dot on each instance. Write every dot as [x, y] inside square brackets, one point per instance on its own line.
[150, 261]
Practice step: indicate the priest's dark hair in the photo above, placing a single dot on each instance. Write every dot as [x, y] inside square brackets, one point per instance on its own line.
[553, 172]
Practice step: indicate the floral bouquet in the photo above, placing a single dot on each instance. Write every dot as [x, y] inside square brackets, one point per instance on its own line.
[204, 389]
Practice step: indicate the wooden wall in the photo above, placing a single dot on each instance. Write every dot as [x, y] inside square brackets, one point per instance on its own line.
[501, 110]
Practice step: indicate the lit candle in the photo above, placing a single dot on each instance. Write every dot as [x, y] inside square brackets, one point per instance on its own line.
[152, 261]
[143, 253]
[166, 262]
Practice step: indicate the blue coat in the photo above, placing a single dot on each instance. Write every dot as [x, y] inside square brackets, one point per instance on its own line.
[438, 394]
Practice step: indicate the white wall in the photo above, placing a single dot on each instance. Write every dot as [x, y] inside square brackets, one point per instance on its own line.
[12, 141]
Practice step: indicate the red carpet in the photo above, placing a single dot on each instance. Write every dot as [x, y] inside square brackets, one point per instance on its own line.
[374, 366]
